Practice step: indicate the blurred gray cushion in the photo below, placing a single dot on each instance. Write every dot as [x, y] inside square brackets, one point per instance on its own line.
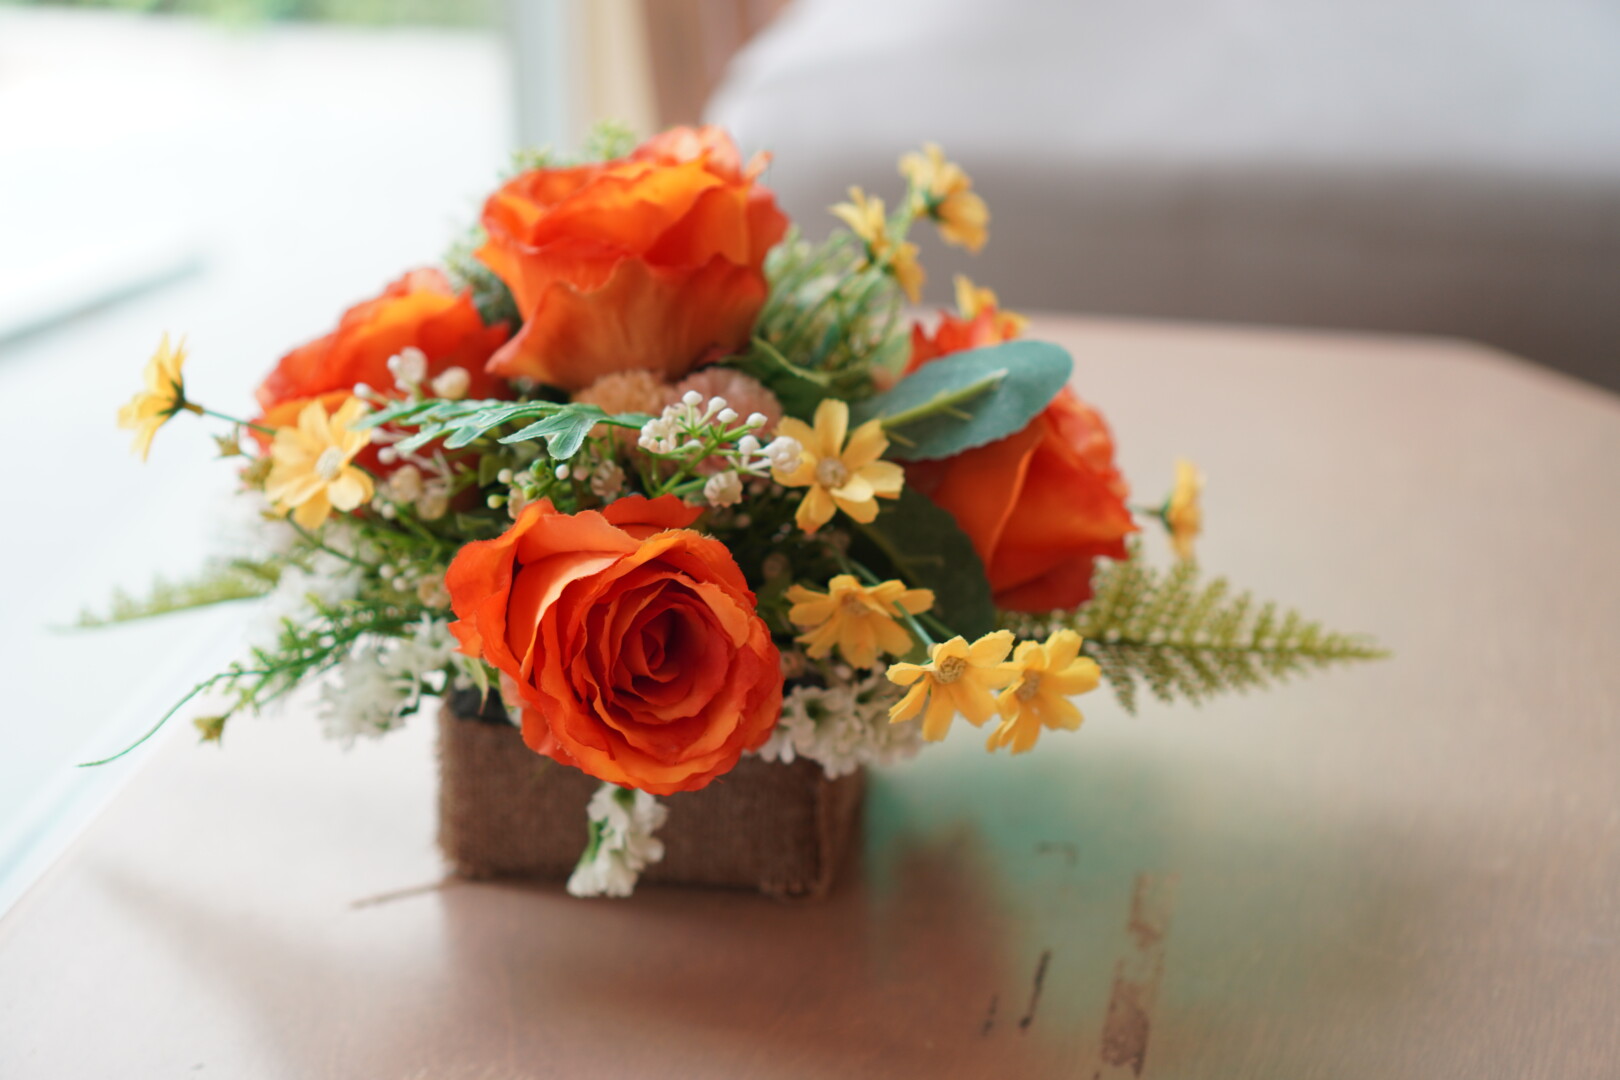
[1445, 166]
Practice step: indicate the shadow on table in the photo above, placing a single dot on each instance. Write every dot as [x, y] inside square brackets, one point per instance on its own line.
[1050, 917]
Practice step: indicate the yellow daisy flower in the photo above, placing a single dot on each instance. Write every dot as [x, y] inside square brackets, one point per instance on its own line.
[866, 220]
[971, 300]
[958, 678]
[945, 193]
[1183, 513]
[165, 395]
[1045, 678]
[840, 477]
[310, 472]
[858, 619]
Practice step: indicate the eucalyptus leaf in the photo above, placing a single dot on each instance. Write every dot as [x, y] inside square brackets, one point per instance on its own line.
[967, 399]
[929, 551]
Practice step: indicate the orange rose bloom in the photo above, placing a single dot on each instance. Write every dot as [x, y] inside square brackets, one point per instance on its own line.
[420, 311]
[631, 642]
[654, 262]
[1040, 505]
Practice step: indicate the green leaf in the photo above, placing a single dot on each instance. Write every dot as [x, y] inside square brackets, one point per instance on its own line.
[968, 399]
[929, 551]
[564, 431]
[1184, 638]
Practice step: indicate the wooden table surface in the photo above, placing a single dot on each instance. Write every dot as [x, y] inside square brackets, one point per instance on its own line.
[1409, 869]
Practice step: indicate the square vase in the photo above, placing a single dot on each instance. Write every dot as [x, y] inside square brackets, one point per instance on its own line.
[507, 812]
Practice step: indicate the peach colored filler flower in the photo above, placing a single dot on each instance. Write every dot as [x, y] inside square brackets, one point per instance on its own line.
[165, 395]
[859, 620]
[311, 471]
[1045, 678]
[945, 193]
[866, 220]
[958, 678]
[840, 477]
[1183, 513]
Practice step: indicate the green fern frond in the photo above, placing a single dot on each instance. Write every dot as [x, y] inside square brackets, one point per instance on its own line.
[1184, 638]
[241, 579]
[563, 425]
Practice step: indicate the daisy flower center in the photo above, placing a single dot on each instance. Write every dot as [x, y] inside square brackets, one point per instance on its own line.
[831, 473]
[1028, 688]
[950, 669]
[329, 464]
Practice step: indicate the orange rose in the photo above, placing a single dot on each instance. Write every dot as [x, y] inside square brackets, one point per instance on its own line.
[655, 261]
[1040, 505]
[631, 642]
[419, 311]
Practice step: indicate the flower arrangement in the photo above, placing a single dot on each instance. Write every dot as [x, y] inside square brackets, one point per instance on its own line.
[681, 487]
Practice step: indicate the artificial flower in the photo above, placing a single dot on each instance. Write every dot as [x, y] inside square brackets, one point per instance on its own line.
[655, 261]
[840, 477]
[979, 324]
[1183, 513]
[859, 620]
[945, 193]
[165, 395]
[957, 679]
[865, 218]
[419, 316]
[1045, 677]
[311, 471]
[629, 643]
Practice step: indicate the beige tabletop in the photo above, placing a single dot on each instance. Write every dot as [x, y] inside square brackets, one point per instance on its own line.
[1406, 869]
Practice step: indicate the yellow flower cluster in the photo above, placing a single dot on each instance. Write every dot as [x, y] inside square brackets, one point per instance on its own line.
[311, 472]
[1183, 511]
[841, 475]
[943, 192]
[865, 217]
[859, 620]
[163, 396]
[977, 682]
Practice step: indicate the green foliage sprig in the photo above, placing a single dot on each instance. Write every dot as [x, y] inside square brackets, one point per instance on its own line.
[563, 425]
[239, 579]
[1185, 638]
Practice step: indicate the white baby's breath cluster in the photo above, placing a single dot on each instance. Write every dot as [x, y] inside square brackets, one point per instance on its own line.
[383, 680]
[842, 726]
[622, 823]
[692, 431]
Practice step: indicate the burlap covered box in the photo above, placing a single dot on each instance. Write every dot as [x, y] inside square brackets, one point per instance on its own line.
[505, 811]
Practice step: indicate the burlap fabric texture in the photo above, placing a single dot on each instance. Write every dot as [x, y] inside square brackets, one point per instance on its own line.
[505, 811]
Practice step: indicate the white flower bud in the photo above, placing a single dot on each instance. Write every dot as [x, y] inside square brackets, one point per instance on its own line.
[504, 476]
[409, 367]
[748, 446]
[726, 416]
[692, 398]
[723, 489]
[562, 472]
[452, 383]
[716, 403]
[785, 453]
[757, 420]
[388, 455]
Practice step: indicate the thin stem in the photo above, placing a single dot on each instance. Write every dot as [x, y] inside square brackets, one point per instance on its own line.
[312, 539]
[872, 579]
[195, 690]
[200, 411]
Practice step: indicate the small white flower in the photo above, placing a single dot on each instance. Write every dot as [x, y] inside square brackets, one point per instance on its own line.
[692, 398]
[562, 472]
[758, 420]
[723, 489]
[408, 367]
[785, 453]
[622, 824]
[842, 727]
[726, 416]
[452, 383]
